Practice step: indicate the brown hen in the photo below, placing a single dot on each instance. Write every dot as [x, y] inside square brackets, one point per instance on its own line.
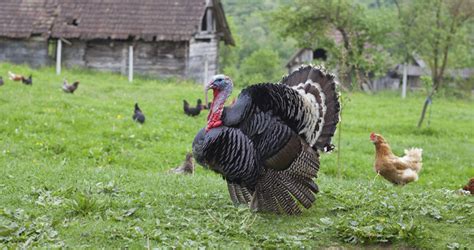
[398, 170]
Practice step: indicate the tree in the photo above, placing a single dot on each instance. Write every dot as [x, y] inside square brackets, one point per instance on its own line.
[404, 31]
[250, 27]
[441, 27]
[362, 32]
[262, 65]
[229, 55]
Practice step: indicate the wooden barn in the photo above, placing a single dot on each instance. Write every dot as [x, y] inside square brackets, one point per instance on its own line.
[159, 38]
[25, 31]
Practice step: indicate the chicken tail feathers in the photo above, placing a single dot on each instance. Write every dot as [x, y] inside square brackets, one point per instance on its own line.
[285, 192]
[414, 155]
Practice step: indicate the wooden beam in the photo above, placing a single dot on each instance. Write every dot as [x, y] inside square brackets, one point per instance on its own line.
[58, 56]
[65, 41]
[206, 70]
[130, 63]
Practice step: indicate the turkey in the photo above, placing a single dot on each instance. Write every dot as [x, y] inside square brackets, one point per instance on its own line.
[266, 145]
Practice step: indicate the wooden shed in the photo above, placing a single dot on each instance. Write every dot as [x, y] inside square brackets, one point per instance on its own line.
[159, 38]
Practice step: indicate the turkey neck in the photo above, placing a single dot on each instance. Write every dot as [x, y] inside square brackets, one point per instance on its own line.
[219, 100]
[217, 106]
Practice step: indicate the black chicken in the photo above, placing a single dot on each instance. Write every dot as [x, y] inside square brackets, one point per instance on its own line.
[1, 81]
[70, 88]
[193, 111]
[208, 106]
[266, 145]
[27, 81]
[138, 115]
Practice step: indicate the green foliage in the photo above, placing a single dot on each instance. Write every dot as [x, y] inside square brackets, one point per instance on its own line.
[439, 31]
[427, 83]
[250, 27]
[19, 229]
[261, 66]
[229, 55]
[83, 204]
[77, 172]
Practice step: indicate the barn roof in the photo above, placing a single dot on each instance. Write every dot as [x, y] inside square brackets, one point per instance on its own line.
[149, 20]
[24, 18]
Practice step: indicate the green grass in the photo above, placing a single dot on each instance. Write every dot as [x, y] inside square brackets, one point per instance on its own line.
[76, 171]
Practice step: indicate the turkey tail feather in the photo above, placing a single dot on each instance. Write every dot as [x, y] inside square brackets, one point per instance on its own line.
[238, 194]
[319, 88]
[287, 190]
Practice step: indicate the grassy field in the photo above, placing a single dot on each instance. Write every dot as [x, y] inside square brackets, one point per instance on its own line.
[76, 171]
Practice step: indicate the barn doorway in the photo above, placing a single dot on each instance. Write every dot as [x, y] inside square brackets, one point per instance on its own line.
[320, 54]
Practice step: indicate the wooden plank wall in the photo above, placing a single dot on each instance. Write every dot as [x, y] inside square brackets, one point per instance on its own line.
[160, 59]
[156, 59]
[105, 55]
[198, 51]
[73, 54]
[33, 52]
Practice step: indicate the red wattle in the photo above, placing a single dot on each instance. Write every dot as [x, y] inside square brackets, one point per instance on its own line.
[215, 93]
[214, 117]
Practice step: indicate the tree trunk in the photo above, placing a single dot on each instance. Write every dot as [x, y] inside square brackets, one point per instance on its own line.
[423, 112]
[437, 82]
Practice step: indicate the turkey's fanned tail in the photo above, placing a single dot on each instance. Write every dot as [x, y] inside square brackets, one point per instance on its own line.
[286, 191]
[319, 89]
[238, 194]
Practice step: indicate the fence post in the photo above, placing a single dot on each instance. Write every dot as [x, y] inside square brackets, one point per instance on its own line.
[404, 84]
[130, 63]
[58, 57]
[206, 70]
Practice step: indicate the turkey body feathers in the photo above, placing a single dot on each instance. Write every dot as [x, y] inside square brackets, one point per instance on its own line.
[268, 144]
[228, 152]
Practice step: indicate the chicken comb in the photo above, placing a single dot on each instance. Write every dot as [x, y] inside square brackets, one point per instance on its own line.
[372, 135]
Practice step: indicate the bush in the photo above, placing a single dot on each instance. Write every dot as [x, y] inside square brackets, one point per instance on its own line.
[262, 65]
